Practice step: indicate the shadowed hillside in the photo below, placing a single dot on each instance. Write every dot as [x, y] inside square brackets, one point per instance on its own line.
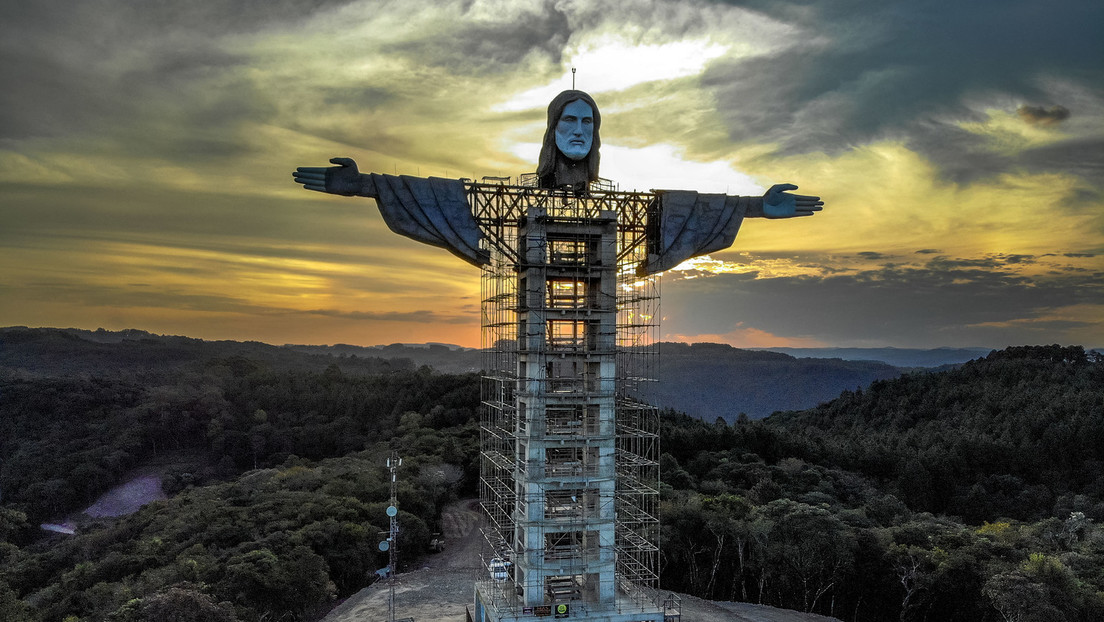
[52, 352]
[968, 495]
[1010, 435]
[709, 380]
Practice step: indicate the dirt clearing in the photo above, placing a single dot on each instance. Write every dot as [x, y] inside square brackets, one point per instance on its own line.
[443, 587]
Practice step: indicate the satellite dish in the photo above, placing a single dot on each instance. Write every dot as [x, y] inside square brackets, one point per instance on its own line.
[383, 546]
[392, 510]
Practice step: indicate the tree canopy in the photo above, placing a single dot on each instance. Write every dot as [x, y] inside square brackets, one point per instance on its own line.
[974, 493]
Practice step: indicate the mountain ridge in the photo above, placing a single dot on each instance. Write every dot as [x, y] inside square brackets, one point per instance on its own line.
[705, 380]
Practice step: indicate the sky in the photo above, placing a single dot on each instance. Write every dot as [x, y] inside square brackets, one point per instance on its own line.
[146, 150]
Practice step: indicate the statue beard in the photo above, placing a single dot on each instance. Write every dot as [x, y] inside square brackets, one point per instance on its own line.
[572, 173]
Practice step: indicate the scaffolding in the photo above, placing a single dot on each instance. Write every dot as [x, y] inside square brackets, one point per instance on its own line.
[569, 471]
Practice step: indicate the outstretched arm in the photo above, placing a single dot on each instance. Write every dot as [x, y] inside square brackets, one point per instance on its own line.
[777, 203]
[343, 179]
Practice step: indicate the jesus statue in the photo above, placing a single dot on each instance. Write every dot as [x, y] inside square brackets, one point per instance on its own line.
[437, 211]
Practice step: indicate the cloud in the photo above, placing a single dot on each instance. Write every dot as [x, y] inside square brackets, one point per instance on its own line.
[872, 255]
[978, 301]
[99, 249]
[1038, 115]
[997, 260]
[615, 64]
[472, 38]
[419, 316]
[165, 74]
[1083, 157]
[908, 72]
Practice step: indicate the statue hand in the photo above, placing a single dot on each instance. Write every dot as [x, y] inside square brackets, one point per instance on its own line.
[777, 203]
[343, 179]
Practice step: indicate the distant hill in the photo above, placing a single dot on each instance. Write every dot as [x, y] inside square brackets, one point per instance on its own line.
[445, 358]
[898, 357]
[53, 351]
[704, 380]
[708, 380]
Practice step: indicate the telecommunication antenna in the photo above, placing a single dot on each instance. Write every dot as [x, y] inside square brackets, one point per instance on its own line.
[390, 545]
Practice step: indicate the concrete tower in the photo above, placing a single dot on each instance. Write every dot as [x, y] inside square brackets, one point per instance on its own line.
[569, 473]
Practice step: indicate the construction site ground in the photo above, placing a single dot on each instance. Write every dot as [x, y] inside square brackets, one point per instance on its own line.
[441, 589]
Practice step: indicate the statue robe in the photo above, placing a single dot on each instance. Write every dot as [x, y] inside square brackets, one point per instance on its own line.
[692, 224]
[436, 211]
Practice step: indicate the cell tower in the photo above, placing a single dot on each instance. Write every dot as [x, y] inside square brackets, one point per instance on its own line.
[569, 457]
[391, 544]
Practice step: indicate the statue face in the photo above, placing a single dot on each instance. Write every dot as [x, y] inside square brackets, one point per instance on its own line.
[575, 130]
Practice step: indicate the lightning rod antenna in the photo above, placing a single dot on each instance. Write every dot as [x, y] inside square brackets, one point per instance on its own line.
[572, 78]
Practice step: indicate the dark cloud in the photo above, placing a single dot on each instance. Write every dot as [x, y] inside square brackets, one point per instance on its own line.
[964, 157]
[118, 18]
[210, 223]
[39, 99]
[1083, 157]
[158, 70]
[891, 70]
[355, 98]
[928, 251]
[480, 47]
[421, 317]
[136, 296]
[147, 295]
[945, 302]
[997, 260]
[1039, 115]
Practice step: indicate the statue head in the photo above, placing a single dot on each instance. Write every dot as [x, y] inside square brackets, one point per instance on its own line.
[569, 154]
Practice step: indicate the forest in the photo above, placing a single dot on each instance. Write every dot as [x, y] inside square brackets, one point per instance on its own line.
[973, 493]
[969, 494]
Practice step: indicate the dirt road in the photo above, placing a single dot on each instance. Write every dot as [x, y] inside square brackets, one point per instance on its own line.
[442, 589]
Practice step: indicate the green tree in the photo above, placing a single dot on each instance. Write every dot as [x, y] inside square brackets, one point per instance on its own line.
[726, 519]
[12, 608]
[184, 603]
[12, 522]
[1018, 599]
[296, 581]
[812, 549]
